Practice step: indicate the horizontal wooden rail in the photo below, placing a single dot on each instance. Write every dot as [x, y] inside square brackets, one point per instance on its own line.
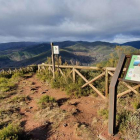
[99, 76]
[76, 67]
[81, 67]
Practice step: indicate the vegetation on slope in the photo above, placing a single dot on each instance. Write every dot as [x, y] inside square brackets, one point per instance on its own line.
[86, 53]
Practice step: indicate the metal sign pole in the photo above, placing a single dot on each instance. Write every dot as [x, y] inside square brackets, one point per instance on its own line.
[53, 61]
[113, 95]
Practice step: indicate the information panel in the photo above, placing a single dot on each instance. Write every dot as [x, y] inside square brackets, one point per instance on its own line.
[56, 49]
[133, 71]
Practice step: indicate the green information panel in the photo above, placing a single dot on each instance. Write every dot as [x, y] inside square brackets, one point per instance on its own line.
[133, 72]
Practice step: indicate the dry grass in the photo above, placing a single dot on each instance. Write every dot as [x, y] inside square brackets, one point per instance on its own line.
[54, 115]
[83, 132]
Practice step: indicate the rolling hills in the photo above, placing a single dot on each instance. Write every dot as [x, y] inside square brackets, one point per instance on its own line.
[18, 54]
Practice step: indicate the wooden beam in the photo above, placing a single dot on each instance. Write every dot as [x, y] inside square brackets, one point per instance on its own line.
[83, 67]
[53, 61]
[76, 67]
[129, 87]
[110, 73]
[113, 69]
[113, 95]
[99, 76]
[70, 73]
[73, 74]
[106, 83]
[61, 72]
[51, 69]
[127, 91]
[38, 68]
[95, 89]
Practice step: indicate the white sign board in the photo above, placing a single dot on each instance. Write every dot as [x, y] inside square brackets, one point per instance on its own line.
[56, 49]
[133, 72]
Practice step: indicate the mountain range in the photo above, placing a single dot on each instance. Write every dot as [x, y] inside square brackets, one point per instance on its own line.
[18, 54]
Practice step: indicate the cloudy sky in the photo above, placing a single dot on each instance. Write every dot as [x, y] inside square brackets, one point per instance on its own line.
[59, 20]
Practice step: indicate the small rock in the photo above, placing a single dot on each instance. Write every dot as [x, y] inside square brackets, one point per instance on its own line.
[33, 89]
[26, 111]
[43, 92]
[30, 107]
[63, 111]
[65, 125]
[75, 111]
[75, 103]
[46, 90]
[47, 123]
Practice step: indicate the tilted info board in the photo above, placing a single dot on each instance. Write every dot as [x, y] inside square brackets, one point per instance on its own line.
[133, 71]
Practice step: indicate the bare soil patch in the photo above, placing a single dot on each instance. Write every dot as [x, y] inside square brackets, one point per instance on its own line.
[69, 119]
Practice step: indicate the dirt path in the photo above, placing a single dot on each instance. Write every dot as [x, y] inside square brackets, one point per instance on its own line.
[82, 113]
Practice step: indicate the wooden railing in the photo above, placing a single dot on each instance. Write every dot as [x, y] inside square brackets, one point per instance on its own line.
[106, 71]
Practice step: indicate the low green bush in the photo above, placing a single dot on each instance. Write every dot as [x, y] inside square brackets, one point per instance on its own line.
[46, 101]
[6, 84]
[103, 113]
[44, 76]
[11, 132]
[17, 75]
[123, 117]
[136, 104]
[18, 99]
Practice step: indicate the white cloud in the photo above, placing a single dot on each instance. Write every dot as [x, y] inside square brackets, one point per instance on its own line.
[90, 20]
[125, 38]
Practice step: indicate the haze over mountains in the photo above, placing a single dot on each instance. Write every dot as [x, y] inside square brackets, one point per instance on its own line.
[18, 54]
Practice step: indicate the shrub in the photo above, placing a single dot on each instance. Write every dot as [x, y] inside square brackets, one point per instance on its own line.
[11, 132]
[44, 76]
[8, 83]
[17, 75]
[5, 84]
[122, 119]
[103, 113]
[133, 126]
[18, 99]
[136, 104]
[46, 101]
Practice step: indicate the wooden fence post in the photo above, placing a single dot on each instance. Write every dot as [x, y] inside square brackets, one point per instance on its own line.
[53, 61]
[106, 82]
[38, 68]
[73, 75]
[10, 71]
[49, 70]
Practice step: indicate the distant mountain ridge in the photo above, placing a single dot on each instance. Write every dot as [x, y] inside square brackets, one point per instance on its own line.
[16, 45]
[135, 44]
[15, 54]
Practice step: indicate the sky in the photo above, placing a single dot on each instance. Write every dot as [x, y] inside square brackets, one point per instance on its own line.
[76, 20]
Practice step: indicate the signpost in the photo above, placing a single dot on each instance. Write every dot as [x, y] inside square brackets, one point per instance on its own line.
[132, 75]
[113, 95]
[55, 50]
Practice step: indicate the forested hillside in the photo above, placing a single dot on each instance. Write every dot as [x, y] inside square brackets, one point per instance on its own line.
[85, 53]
